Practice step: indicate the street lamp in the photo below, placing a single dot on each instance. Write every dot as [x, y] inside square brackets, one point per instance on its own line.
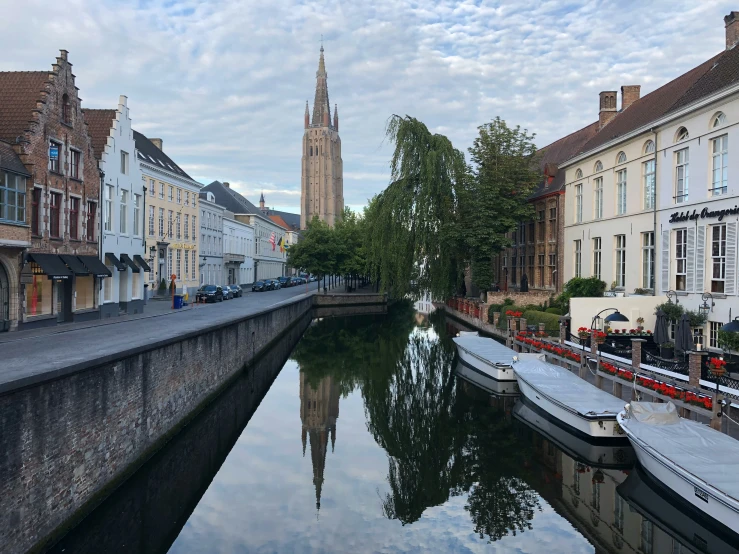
[705, 308]
[670, 294]
[615, 316]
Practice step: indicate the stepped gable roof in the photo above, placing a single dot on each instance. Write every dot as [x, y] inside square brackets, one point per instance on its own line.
[231, 200]
[557, 152]
[99, 123]
[20, 91]
[149, 153]
[10, 161]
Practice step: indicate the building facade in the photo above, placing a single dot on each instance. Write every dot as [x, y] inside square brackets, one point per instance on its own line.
[238, 251]
[211, 241]
[41, 115]
[173, 229]
[322, 174]
[123, 209]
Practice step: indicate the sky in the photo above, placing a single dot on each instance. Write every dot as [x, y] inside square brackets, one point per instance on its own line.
[224, 82]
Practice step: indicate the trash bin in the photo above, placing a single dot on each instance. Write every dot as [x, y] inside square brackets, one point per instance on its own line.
[178, 298]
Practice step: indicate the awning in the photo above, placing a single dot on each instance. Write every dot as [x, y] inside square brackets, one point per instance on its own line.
[52, 265]
[96, 267]
[129, 262]
[120, 266]
[74, 263]
[142, 264]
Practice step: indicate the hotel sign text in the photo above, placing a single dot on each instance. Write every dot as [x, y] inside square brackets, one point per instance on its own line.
[705, 213]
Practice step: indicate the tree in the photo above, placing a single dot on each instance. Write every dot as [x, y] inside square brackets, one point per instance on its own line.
[316, 252]
[493, 197]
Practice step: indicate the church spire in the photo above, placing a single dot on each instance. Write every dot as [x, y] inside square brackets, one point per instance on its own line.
[321, 106]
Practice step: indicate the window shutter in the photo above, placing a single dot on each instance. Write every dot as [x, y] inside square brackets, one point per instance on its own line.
[730, 284]
[690, 277]
[665, 261]
[700, 256]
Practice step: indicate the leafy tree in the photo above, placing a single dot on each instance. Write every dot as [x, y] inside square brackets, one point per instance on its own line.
[579, 287]
[316, 252]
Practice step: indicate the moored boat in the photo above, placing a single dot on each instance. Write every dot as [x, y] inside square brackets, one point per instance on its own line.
[577, 405]
[468, 334]
[694, 462]
[485, 382]
[487, 357]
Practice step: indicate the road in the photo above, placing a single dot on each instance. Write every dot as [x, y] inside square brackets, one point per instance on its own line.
[29, 353]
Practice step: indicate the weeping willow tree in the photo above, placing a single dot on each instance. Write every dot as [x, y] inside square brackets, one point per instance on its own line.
[413, 245]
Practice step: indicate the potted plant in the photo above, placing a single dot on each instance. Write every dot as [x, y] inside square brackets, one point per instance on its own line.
[667, 350]
[583, 333]
[599, 336]
[718, 366]
[640, 324]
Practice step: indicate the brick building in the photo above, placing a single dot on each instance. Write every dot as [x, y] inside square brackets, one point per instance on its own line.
[41, 116]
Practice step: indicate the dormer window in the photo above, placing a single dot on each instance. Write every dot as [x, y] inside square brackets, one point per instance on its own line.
[598, 166]
[66, 109]
[718, 120]
[682, 134]
[621, 158]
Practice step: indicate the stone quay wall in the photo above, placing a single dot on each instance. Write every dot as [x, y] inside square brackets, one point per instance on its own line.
[349, 299]
[66, 443]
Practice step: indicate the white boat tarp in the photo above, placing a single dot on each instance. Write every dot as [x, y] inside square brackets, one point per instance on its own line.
[655, 414]
[487, 349]
[568, 389]
[706, 453]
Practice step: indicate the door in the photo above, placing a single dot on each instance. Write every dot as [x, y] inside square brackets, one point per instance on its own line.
[63, 293]
[4, 300]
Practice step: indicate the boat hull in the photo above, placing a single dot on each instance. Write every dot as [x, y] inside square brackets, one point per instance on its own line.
[484, 368]
[683, 484]
[485, 382]
[600, 427]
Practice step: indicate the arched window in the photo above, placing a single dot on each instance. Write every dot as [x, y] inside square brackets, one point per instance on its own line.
[598, 166]
[311, 151]
[578, 174]
[682, 134]
[718, 120]
[649, 147]
[66, 112]
[621, 158]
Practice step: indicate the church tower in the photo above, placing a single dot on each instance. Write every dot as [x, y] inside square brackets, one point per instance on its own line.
[322, 181]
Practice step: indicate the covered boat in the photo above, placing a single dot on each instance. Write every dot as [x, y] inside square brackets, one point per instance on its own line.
[574, 403]
[577, 447]
[695, 463]
[487, 357]
[486, 383]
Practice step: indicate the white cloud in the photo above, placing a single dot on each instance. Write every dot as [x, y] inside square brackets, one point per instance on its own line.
[224, 82]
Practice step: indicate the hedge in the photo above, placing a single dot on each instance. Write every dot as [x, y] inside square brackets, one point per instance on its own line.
[550, 321]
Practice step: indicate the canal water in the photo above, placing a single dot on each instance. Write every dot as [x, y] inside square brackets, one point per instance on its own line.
[368, 440]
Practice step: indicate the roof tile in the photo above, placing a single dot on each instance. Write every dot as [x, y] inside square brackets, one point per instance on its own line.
[19, 93]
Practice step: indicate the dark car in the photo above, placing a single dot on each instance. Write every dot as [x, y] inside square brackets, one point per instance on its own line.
[228, 294]
[260, 286]
[209, 293]
[276, 285]
[285, 282]
[299, 280]
[236, 289]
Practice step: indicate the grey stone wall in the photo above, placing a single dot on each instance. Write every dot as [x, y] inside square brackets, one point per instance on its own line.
[349, 299]
[65, 443]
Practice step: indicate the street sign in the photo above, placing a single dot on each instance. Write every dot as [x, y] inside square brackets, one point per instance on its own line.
[54, 152]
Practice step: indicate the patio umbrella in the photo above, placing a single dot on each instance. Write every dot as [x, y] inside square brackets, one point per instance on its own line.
[684, 335]
[660, 329]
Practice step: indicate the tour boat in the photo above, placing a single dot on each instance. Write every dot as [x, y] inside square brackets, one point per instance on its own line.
[683, 523]
[486, 383]
[487, 357]
[692, 461]
[468, 334]
[577, 447]
[574, 403]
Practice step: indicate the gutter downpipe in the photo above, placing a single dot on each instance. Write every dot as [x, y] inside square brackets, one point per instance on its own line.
[654, 212]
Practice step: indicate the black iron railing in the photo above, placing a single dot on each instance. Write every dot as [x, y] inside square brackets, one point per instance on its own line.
[676, 366]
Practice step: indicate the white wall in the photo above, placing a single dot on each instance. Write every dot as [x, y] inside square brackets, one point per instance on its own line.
[582, 310]
[238, 238]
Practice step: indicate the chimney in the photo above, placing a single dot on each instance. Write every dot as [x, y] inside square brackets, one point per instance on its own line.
[732, 29]
[629, 95]
[227, 185]
[607, 107]
[157, 143]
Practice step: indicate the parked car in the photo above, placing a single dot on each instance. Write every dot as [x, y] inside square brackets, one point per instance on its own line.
[276, 285]
[227, 292]
[313, 278]
[209, 293]
[285, 282]
[236, 289]
[260, 286]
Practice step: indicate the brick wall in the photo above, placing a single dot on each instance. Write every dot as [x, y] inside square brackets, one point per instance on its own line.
[519, 298]
[64, 441]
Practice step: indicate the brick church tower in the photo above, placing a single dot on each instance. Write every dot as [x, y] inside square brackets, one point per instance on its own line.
[322, 180]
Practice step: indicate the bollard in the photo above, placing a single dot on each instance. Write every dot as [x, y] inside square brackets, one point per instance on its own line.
[695, 361]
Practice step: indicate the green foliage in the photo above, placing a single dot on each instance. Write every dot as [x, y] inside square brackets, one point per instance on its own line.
[550, 321]
[579, 287]
[697, 319]
[162, 285]
[555, 311]
[728, 340]
[672, 311]
[644, 292]
[172, 286]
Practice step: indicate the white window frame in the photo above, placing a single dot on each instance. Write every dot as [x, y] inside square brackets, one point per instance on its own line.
[124, 163]
[681, 259]
[718, 258]
[682, 175]
[578, 258]
[152, 215]
[713, 328]
[719, 165]
[620, 265]
[578, 203]
[124, 212]
[598, 198]
[621, 192]
[136, 215]
[648, 260]
[649, 175]
[161, 222]
[597, 257]
[108, 221]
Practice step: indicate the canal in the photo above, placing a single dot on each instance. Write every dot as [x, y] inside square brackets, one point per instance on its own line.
[367, 440]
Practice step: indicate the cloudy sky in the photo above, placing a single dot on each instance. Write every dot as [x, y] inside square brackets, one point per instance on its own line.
[224, 82]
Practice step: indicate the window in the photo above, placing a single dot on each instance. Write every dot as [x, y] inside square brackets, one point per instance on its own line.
[621, 158]
[649, 147]
[597, 257]
[647, 536]
[170, 224]
[682, 134]
[647, 248]
[598, 198]
[718, 257]
[193, 225]
[713, 328]
[74, 218]
[66, 109]
[187, 201]
[621, 192]
[179, 263]
[108, 214]
[124, 162]
[552, 222]
[161, 191]
[578, 258]
[187, 264]
[578, 174]
[170, 267]
[681, 259]
[720, 153]
[36, 214]
[92, 209]
[718, 120]
[187, 228]
[151, 221]
[178, 224]
[54, 212]
[192, 255]
[74, 164]
[55, 153]
[578, 203]
[124, 212]
[170, 194]
[620, 260]
[598, 166]
[179, 196]
[697, 335]
[681, 175]
[12, 197]
[137, 215]
[648, 171]
[618, 513]
[161, 222]
[152, 187]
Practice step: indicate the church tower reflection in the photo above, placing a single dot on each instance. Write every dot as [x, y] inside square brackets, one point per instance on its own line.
[319, 410]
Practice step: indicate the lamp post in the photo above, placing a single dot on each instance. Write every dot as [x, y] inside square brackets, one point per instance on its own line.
[615, 316]
[705, 308]
[670, 294]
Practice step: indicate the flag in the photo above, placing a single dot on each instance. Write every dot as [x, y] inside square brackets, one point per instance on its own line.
[282, 244]
[272, 240]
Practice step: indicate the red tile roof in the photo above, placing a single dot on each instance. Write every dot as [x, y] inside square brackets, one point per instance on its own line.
[19, 93]
[281, 222]
[99, 123]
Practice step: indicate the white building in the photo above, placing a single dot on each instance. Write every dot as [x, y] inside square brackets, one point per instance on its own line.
[238, 251]
[211, 241]
[123, 210]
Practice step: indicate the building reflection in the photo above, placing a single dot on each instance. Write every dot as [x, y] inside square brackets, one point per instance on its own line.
[319, 410]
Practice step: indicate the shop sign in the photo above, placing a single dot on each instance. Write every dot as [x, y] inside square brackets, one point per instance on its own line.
[705, 213]
[184, 246]
[54, 152]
